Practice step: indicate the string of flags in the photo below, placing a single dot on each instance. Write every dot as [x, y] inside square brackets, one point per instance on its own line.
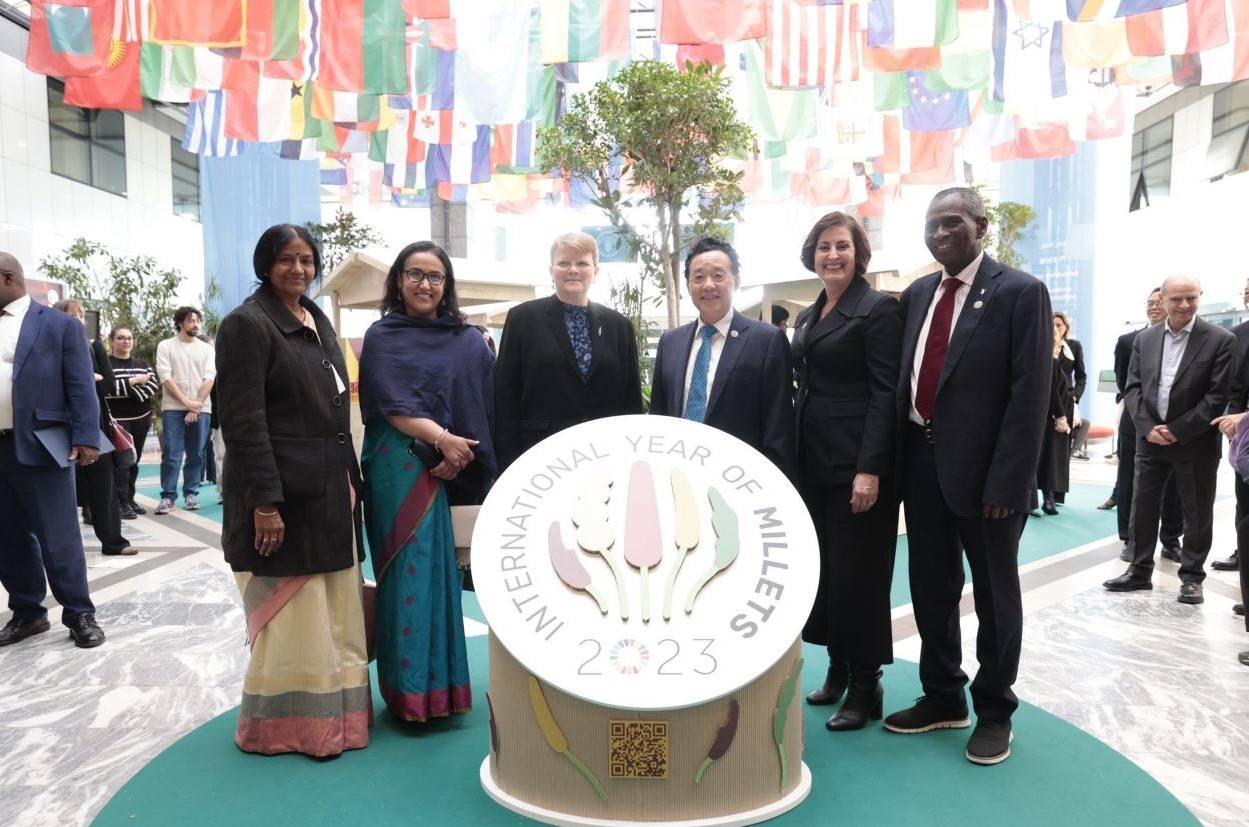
[850, 99]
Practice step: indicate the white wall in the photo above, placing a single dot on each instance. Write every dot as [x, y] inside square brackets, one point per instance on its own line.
[42, 213]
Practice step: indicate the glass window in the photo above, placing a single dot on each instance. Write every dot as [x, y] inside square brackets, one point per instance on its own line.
[1228, 132]
[86, 145]
[184, 168]
[1151, 164]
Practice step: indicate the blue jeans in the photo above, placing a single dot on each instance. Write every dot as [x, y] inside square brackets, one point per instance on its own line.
[179, 438]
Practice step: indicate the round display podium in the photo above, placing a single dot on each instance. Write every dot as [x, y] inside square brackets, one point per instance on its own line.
[645, 580]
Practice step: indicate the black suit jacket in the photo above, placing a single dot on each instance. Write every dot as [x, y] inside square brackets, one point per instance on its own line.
[1238, 401]
[538, 390]
[1198, 394]
[993, 394]
[1123, 357]
[847, 365]
[752, 393]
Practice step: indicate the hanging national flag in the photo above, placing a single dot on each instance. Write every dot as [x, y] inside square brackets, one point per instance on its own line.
[334, 171]
[493, 58]
[911, 24]
[157, 73]
[272, 30]
[71, 38]
[301, 66]
[934, 110]
[258, 108]
[1044, 141]
[576, 31]
[712, 53]
[427, 9]
[902, 60]
[1197, 26]
[1028, 61]
[440, 126]
[363, 112]
[364, 47]
[117, 87]
[931, 159]
[711, 21]
[775, 114]
[219, 24]
[460, 163]
[811, 45]
[205, 127]
[1101, 44]
[512, 148]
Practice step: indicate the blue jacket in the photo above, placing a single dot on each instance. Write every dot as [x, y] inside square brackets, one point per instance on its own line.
[53, 384]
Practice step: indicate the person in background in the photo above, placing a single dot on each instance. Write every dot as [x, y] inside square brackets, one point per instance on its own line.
[1235, 426]
[1238, 402]
[1077, 379]
[975, 372]
[1054, 472]
[426, 401]
[723, 369]
[45, 386]
[130, 403]
[780, 317]
[1178, 383]
[186, 368]
[846, 347]
[485, 334]
[563, 359]
[1172, 516]
[291, 522]
[95, 482]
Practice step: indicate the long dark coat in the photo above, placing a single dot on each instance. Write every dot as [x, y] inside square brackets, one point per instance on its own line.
[287, 429]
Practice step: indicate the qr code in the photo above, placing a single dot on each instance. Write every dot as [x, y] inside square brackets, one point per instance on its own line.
[639, 749]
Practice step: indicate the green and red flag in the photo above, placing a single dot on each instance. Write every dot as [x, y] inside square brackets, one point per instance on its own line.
[364, 47]
[578, 31]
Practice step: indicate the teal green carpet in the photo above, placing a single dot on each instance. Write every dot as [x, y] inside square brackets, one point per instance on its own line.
[414, 774]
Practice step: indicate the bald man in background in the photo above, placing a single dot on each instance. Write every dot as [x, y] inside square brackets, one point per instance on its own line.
[1179, 380]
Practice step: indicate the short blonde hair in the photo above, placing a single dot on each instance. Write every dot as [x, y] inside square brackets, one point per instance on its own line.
[581, 242]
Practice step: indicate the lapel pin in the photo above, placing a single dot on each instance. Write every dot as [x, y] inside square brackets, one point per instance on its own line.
[600, 330]
[978, 305]
[733, 333]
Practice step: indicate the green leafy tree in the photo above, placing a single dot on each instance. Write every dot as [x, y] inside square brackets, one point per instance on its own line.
[669, 132]
[1009, 223]
[128, 291]
[341, 237]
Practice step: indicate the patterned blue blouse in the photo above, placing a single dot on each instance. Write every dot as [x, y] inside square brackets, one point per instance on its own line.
[577, 320]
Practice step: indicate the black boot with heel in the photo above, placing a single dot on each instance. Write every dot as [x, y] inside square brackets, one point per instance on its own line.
[834, 684]
[864, 700]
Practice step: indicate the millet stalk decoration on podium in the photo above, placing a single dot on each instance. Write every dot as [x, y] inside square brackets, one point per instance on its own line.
[645, 580]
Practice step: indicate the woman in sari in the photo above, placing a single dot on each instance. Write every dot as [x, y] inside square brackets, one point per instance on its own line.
[291, 527]
[427, 401]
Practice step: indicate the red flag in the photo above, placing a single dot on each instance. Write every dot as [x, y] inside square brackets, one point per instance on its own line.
[711, 21]
[932, 158]
[1045, 141]
[218, 24]
[712, 53]
[71, 38]
[427, 9]
[117, 87]
[902, 60]
[1240, 39]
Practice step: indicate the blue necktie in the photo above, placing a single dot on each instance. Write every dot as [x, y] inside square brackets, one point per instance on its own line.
[696, 402]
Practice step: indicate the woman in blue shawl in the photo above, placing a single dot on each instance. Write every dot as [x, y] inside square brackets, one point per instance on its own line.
[427, 401]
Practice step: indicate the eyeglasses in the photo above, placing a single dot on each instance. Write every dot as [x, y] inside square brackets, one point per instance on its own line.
[416, 276]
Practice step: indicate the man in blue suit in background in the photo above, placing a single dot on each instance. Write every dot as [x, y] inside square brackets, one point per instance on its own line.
[723, 369]
[46, 385]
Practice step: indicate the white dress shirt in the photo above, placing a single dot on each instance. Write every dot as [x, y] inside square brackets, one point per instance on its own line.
[1174, 342]
[717, 347]
[967, 276]
[11, 318]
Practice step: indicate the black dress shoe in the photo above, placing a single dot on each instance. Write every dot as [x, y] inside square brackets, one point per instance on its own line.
[86, 633]
[1243, 657]
[864, 700]
[16, 630]
[835, 683]
[1109, 505]
[990, 742]
[127, 513]
[1239, 610]
[1171, 553]
[927, 715]
[1191, 593]
[1050, 509]
[1230, 564]
[1129, 581]
[137, 509]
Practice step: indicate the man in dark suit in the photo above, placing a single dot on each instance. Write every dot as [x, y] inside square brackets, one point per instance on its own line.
[971, 404]
[1178, 382]
[1172, 514]
[1239, 403]
[46, 385]
[723, 369]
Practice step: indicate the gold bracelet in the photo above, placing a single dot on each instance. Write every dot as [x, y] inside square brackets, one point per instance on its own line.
[266, 513]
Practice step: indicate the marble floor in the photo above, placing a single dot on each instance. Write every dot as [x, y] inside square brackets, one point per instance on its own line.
[1154, 679]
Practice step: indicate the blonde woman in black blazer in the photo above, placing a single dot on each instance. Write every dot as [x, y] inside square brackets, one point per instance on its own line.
[563, 359]
[846, 348]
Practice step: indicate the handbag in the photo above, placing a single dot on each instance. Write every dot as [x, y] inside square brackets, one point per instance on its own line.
[124, 454]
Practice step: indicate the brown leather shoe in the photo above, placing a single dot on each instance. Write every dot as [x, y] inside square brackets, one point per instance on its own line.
[18, 630]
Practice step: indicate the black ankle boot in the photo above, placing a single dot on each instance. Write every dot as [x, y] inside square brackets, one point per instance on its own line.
[834, 684]
[864, 700]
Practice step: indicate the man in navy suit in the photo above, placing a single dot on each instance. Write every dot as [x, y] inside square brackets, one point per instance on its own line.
[723, 369]
[971, 405]
[46, 385]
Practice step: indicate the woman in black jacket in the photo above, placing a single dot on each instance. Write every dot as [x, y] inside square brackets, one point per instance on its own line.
[291, 525]
[846, 350]
[563, 359]
[1066, 387]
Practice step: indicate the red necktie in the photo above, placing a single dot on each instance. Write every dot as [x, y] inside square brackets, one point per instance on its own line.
[935, 347]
